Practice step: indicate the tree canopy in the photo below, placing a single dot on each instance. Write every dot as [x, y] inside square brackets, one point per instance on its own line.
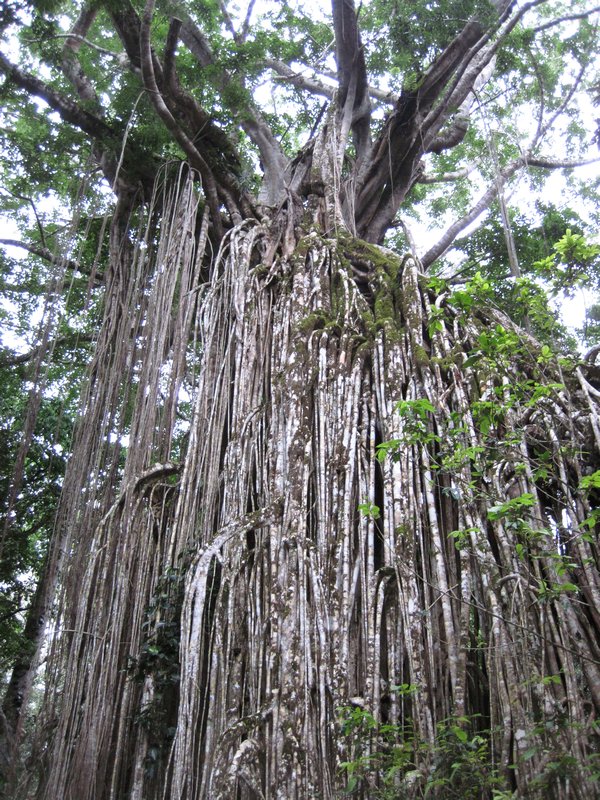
[472, 93]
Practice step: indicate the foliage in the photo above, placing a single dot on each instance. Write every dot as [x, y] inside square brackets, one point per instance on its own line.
[27, 532]
[460, 762]
[38, 406]
[574, 263]
[158, 663]
[538, 242]
[384, 758]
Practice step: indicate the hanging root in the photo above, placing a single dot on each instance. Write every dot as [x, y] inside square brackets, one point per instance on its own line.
[465, 590]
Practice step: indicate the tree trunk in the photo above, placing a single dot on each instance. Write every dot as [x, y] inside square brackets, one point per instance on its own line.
[224, 599]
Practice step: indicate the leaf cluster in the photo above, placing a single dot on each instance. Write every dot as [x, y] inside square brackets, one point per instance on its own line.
[387, 758]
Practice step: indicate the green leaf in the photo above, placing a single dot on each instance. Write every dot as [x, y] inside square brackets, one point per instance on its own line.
[545, 355]
[418, 408]
[472, 360]
[511, 508]
[567, 587]
[460, 733]
[591, 481]
[387, 448]
[370, 510]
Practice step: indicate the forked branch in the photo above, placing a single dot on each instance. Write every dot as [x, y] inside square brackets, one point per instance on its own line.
[353, 94]
[487, 198]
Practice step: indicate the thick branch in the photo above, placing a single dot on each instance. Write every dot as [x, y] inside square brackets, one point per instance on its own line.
[408, 132]
[560, 163]
[196, 160]
[70, 62]
[208, 138]
[482, 56]
[592, 354]
[480, 206]
[105, 140]
[274, 161]
[227, 20]
[299, 81]
[127, 25]
[476, 73]
[316, 86]
[169, 55]
[69, 111]
[414, 124]
[352, 74]
[246, 25]
[46, 254]
[487, 198]
[449, 138]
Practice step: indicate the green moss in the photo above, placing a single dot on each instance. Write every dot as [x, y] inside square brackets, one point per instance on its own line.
[354, 249]
[385, 312]
[384, 307]
[302, 247]
[420, 355]
[313, 322]
[446, 362]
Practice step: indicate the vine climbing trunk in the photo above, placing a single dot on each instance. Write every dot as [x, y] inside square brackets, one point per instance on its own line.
[224, 598]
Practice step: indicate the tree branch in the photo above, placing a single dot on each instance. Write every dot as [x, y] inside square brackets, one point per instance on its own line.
[228, 21]
[196, 160]
[416, 120]
[567, 18]
[448, 238]
[449, 138]
[246, 25]
[592, 353]
[70, 62]
[558, 163]
[23, 358]
[69, 110]
[377, 94]
[169, 54]
[38, 221]
[476, 62]
[127, 26]
[447, 177]
[274, 161]
[565, 102]
[71, 35]
[316, 86]
[353, 94]
[480, 206]
[46, 254]
[407, 133]
[299, 81]
[105, 139]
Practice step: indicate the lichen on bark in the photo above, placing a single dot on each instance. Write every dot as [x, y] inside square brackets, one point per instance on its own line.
[293, 603]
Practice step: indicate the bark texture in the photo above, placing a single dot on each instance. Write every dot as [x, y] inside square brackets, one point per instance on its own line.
[222, 596]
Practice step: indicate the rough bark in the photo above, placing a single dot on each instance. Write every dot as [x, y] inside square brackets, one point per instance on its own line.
[287, 604]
